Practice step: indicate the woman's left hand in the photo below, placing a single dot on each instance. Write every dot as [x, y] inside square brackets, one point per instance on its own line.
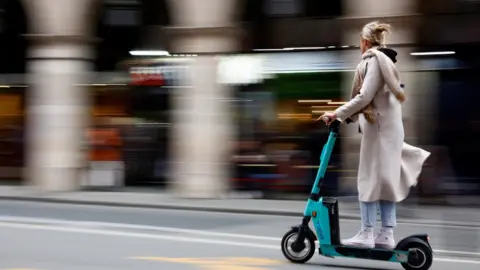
[327, 117]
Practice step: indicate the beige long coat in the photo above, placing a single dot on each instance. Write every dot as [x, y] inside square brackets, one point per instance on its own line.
[388, 167]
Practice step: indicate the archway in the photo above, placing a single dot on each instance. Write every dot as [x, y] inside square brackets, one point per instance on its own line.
[135, 25]
[13, 47]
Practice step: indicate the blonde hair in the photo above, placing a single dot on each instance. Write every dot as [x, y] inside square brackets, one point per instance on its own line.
[375, 32]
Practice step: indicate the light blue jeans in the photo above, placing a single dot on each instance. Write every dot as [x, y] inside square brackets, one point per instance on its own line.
[388, 214]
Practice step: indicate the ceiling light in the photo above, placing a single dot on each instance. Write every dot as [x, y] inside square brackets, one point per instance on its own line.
[315, 101]
[291, 49]
[149, 53]
[268, 50]
[432, 53]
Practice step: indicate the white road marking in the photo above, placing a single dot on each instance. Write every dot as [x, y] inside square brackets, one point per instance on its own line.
[456, 260]
[456, 252]
[77, 226]
[133, 226]
[131, 234]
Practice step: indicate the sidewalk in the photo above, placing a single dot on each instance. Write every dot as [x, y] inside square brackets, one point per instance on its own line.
[407, 213]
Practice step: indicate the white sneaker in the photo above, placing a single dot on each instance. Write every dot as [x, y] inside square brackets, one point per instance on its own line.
[363, 239]
[384, 239]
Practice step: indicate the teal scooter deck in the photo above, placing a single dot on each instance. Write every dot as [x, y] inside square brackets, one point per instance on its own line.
[298, 244]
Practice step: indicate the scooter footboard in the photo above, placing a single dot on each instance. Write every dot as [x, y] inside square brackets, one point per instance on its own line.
[362, 253]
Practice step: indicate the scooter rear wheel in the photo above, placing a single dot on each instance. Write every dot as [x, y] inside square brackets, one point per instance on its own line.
[297, 257]
[420, 258]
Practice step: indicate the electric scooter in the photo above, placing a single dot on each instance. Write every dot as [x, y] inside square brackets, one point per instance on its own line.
[298, 244]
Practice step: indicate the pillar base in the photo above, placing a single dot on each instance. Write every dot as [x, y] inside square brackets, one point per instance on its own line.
[208, 195]
[54, 179]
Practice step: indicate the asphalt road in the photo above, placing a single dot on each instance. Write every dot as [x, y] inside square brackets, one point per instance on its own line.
[57, 237]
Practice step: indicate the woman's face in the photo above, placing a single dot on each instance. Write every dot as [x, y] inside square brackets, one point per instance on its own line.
[364, 45]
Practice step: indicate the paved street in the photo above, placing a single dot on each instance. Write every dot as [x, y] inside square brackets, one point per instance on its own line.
[56, 237]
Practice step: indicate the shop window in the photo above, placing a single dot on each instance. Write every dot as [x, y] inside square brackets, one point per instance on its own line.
[11, 133]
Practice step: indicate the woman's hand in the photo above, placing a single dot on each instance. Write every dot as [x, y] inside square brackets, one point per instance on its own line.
[327, 117]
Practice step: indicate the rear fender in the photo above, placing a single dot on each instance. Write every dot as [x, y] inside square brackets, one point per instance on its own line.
[419, 238]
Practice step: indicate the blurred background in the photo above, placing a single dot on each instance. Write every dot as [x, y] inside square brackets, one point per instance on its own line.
[215, 97]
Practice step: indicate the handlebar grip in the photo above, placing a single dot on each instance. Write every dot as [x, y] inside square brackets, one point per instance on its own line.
[334, 126]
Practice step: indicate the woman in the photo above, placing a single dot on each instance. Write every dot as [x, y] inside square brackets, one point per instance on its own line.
[388, 167]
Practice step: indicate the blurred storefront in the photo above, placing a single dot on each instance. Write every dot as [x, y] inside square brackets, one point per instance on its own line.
[12, 129]
[147, 141]
[132, 104]
[279, 95]
[13, 88]
[455, 116]
[448, 46]
[140, 111]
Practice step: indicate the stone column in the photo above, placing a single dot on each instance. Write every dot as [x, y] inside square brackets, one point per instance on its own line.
[59, 58]
[400, 15]
[203, 129]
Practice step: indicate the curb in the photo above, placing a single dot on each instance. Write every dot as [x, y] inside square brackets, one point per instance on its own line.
[165, 206]
[268, 212]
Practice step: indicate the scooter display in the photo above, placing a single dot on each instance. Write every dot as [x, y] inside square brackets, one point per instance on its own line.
[299, 243]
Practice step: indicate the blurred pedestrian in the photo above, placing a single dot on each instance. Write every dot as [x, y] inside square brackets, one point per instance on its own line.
[388, 167]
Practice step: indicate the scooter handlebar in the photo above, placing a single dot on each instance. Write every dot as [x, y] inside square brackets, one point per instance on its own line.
[334, 126]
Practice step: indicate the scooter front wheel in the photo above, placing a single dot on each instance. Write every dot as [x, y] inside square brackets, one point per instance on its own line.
[302, 256]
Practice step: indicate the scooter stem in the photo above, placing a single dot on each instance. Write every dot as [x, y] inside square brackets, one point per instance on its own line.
[324, 159]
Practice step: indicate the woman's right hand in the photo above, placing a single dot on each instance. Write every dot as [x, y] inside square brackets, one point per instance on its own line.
[327, 118]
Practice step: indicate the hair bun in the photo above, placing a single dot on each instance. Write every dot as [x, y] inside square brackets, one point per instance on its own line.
[375, 32]
[382, 28]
